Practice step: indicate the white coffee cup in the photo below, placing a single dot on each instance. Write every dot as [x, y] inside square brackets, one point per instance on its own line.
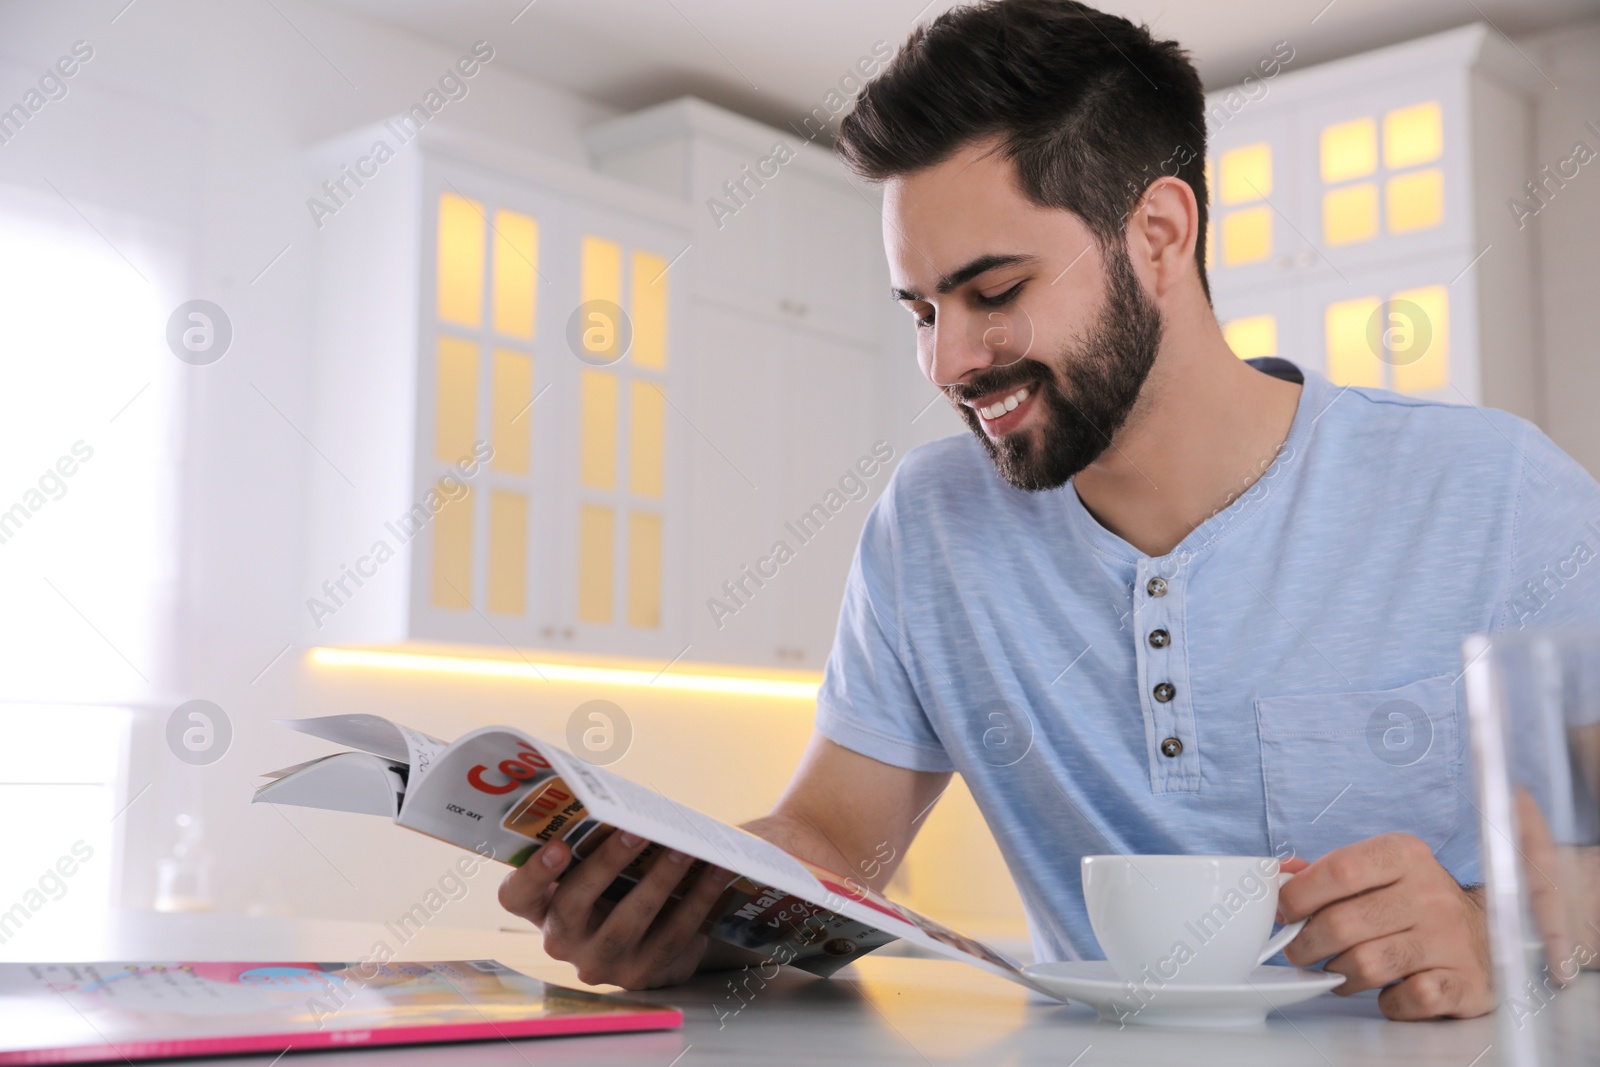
[1185, 920]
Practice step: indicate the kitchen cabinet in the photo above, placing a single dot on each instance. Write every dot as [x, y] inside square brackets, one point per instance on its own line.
[789, 291]
[1359, 219]
[500, 370]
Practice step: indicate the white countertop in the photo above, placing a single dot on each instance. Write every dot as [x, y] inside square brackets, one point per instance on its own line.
[888, 1009]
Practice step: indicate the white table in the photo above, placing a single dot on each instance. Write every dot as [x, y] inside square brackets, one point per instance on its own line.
[884, 1009]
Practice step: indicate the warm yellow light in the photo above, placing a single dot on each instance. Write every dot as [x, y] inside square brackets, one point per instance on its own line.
[1351, 360]
[1349, 150]
[516, 259]
[597, 429]
[1254, 336]
[737, 685]
[459, 265]
[1413, 135]
[1350, 214]
[1414, 311]
[1246, 174]
[1415, 201]
[1246, 236]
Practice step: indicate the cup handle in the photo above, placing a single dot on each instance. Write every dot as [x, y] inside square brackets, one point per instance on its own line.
[1284, 936]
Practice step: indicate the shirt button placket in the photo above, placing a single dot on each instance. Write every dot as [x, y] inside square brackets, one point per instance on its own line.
[1160, 597]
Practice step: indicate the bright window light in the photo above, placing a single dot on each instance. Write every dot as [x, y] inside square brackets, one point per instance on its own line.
[86, 454]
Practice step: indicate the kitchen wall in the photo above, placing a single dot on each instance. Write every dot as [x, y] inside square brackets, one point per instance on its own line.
[1567, 233]
[192, 116]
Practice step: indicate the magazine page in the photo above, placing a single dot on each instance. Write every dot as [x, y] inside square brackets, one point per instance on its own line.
[494, 791]
[504, 794]
[794, 893]
[375, 734]
[357, 782]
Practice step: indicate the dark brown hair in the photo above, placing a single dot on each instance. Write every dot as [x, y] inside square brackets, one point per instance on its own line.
[1089, 108]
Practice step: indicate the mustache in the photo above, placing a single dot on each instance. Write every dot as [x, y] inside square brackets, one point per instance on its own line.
[999, 379]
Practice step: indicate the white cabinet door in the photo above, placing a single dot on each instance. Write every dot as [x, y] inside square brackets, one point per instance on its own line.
[1260, 230]
[568, 537]
[736, 245]
[828, 427]
[737, 464]
[1266, 320]
[832, 273]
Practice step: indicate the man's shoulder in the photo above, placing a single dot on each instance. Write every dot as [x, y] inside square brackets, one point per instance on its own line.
[936, 488]
[1463, 464]
[958, 459]
[1397, 433]
[1374, 405]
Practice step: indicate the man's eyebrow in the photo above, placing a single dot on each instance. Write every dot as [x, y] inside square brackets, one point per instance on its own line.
[966, 273]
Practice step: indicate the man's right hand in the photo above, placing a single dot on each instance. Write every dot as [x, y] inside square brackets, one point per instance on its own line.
[644, 940]
[843, 811]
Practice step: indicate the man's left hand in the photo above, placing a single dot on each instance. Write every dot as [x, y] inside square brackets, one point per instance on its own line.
[1390, 916]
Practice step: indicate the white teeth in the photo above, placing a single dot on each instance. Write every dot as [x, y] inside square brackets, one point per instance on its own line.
[1000, 407]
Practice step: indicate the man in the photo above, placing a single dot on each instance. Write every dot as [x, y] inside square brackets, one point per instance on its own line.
[1159, 601]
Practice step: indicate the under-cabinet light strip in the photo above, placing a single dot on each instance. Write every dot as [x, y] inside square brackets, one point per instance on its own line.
[741, 685]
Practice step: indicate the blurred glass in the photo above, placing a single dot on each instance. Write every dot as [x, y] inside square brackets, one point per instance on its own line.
[1534, 703]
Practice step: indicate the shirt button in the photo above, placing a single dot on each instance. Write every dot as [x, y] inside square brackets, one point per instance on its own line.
[1160, 639]
[1164, 692]
[1171, 748]
[1156, 587]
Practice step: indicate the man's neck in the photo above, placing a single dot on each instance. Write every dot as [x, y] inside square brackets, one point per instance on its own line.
[1206, 427]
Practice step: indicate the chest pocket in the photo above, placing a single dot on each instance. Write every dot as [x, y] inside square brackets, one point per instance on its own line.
[1342, 767]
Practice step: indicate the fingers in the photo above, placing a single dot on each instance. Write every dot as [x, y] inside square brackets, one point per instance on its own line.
[527, 890]
[572, 908]
[682, 923]
[626, 925]
[648, 941]
[1356, 868]
[1343, 925]
[1432, 994]
[1541, 873]
[1379, 962]
[1387, 915]
[640, 941]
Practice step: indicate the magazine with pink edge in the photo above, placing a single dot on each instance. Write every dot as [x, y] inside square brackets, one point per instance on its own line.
[99, 1012]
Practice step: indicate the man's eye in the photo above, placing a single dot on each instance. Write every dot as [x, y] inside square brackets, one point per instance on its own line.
[925, 322]
[1001, 298]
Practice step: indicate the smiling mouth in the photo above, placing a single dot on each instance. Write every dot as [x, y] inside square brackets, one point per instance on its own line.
[1002, 413]
[1003, 405]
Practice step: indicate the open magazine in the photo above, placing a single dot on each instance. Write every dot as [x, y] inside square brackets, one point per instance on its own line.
[505, 794]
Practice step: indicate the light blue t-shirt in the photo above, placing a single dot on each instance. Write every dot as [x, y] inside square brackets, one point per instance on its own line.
[1286, 678]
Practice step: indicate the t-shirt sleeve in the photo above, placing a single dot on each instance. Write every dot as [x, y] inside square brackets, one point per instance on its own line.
[1554, 580]
[867, 702]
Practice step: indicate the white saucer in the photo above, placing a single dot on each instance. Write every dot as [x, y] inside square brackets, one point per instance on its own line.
[1151, 1004]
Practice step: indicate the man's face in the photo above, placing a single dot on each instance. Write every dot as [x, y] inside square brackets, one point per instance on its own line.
[1040, 342]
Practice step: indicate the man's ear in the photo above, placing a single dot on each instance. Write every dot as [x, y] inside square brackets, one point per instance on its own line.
[1162, 231]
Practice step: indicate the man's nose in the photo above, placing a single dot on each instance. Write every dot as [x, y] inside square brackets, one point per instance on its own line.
[976, 342]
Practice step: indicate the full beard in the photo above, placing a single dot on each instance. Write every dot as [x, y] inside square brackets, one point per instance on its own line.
[1086, 397]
